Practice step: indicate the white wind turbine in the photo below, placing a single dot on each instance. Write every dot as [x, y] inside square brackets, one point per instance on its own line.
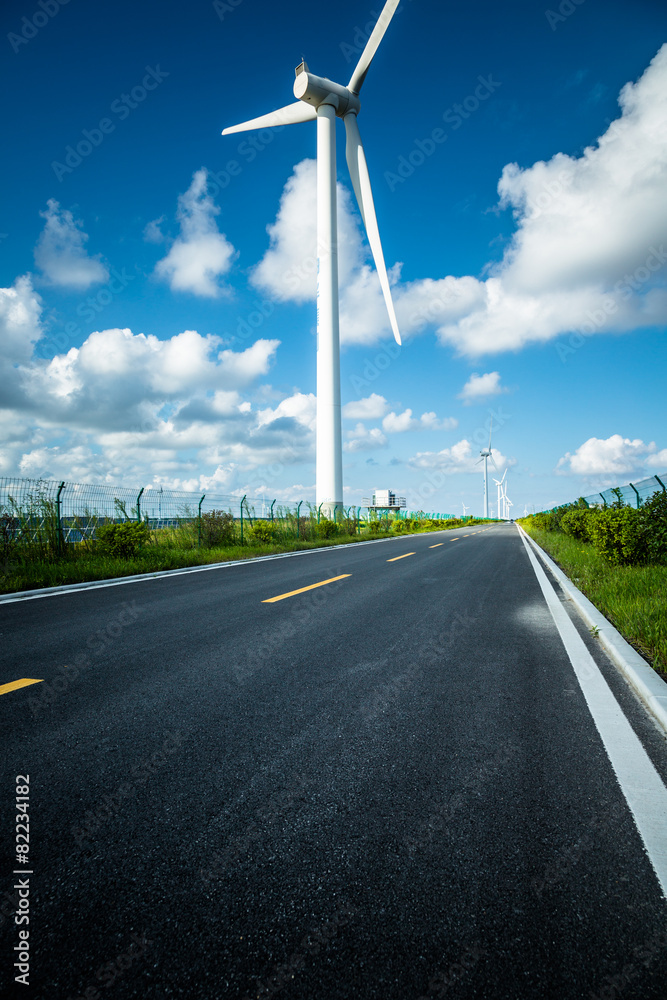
[464, 508]
[508, 504]
[499, 484]
[324, 100]
[485, 456]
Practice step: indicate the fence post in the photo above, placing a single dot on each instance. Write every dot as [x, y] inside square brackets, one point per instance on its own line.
[664, 488]
[242, 502]
[298, 516]
[138, 499]
[639, 502]
[199, 522]
[59, 527]
[273, 502]
[318, 512]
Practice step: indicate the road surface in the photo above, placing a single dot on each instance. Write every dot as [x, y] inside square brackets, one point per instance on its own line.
[385, 787]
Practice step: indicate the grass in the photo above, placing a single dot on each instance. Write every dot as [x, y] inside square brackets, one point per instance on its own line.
[631, 597]
[81, 566]
[26, 567]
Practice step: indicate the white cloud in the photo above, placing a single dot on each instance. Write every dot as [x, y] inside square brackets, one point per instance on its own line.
[373, 407]
[20, 320]
[481, 387]
[613, 456]
[659, 460]
[152, 231]
[299, 407]
[364, 439]
[587, 255]
[201, 255]
[60, 252]
[288, 270]
[395, 423]
[459, 458]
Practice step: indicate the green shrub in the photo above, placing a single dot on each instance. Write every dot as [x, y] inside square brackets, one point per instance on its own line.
[123, 540]
[262, 531]
[618, 535]
[578, 522]
[217, 528]
[399, 527]
[327, 528]
[654, 520]
[379, 527]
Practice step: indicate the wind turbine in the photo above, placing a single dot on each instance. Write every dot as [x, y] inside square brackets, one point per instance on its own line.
[508, 504]
[485, 456]
[464, 508]
[324, 100]
[499, 484]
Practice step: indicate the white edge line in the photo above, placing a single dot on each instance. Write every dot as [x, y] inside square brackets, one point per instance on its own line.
[69, 588]
[640, 783]
[644, 680]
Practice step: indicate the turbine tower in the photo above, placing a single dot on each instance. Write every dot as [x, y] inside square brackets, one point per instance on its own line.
[501, 494]
[464, 508]
[323, 100]
[485, 456]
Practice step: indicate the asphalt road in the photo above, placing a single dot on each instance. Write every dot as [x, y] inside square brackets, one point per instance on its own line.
[386, 787]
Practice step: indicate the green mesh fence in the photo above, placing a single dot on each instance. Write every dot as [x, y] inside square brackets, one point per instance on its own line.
[630, 495]
[55, 514]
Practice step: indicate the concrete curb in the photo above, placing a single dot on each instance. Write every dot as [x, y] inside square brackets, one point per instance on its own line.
[643, 679]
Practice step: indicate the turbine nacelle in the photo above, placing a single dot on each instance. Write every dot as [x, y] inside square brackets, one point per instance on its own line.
[317, 90]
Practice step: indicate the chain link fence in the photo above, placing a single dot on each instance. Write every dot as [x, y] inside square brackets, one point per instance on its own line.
[53, 514]
[630, 495]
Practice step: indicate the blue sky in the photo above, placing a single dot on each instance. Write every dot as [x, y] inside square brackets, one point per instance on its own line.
[157, 309]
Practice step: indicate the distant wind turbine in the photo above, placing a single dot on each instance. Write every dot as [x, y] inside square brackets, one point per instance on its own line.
[324, 100]
[464, 508]
[499, 484]
[485, 456]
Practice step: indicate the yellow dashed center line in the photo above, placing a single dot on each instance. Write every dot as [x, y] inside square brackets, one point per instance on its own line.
[15, 685]
[436, 546]
[302, 590]
[401, 557]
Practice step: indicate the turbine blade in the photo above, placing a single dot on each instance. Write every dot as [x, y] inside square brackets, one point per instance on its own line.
[361, 182]
[490, 432]
[493, 460]
[289, 115]
[372, 44]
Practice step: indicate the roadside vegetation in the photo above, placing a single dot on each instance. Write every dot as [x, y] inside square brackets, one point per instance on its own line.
[617, 556]
[35, 554]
